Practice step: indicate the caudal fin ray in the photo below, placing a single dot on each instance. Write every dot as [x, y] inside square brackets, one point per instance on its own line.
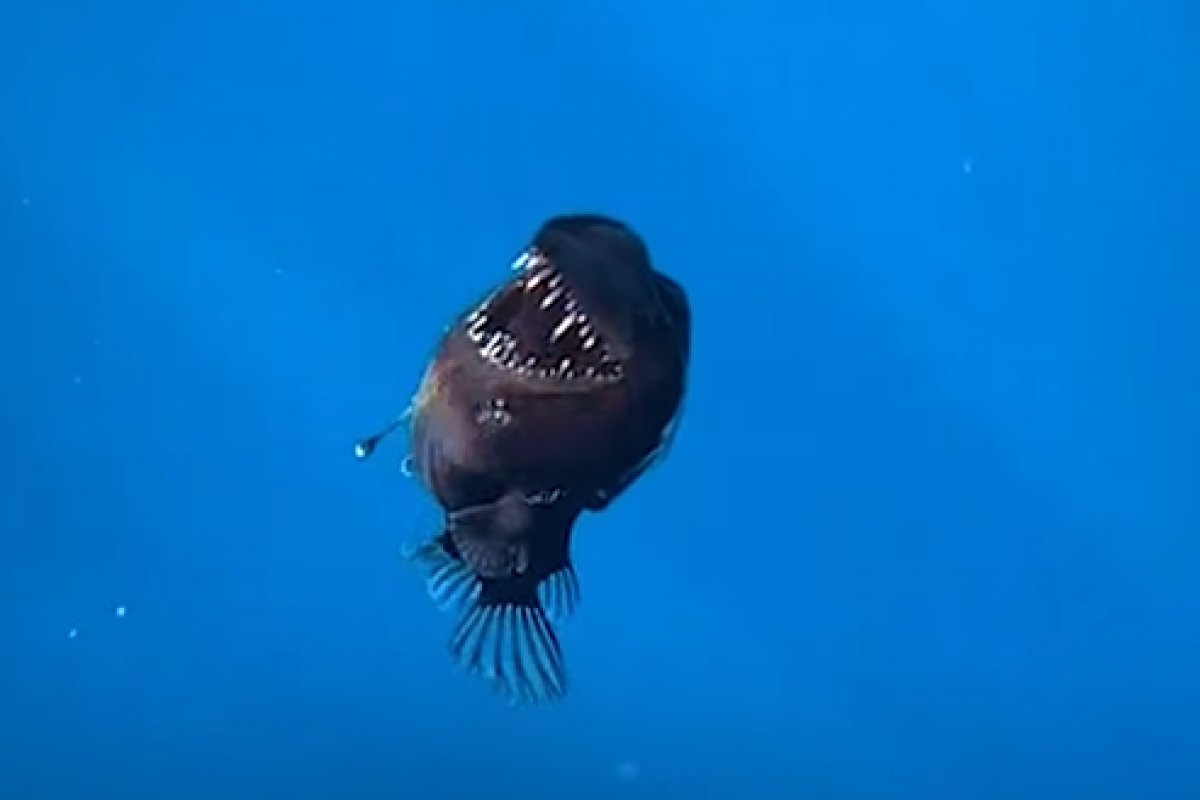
[559, 593]
[513, 647]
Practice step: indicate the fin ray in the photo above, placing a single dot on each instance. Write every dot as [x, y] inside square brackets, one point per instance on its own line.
[513, 647]
[559, 593]
[448, 580]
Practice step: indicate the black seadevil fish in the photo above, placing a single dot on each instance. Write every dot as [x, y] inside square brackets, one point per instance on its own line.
[548, 398]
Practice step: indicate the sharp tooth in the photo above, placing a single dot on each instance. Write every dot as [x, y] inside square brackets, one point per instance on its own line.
[565, 364]
[556, 281]
[549, 299]
[589, 343]
[562, 327]
[493, 345]
[538, 278]
[521, 261]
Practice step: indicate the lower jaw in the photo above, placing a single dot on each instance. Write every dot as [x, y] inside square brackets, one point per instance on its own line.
[543, 382]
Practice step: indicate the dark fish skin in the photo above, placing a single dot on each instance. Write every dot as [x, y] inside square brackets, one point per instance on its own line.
[548, 398]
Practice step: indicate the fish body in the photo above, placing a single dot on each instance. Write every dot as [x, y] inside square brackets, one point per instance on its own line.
[546, 399]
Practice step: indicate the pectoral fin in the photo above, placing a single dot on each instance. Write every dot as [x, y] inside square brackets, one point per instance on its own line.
[493, 539]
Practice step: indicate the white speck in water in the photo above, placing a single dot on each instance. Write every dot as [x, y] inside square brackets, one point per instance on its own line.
[968, 166]
[279, 270]
[77, 379]
[71, 634]
[120, 611]
[628, 771]
[25, 201]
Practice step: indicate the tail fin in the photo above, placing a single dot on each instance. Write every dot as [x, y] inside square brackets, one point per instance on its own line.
[505, 638]
[504, 633]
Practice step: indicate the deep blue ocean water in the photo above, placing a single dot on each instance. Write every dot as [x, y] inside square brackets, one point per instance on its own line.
[929, 528]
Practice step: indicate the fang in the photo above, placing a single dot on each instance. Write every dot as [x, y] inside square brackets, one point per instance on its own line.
[533, 282]
[562, 327]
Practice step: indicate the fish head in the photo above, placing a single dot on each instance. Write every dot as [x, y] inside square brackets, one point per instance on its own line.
[565, 374]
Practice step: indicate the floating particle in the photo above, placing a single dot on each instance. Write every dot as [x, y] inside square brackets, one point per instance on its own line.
[77, 379]
[968, 166]
[120, 611]
[71, 634]
[25, 201]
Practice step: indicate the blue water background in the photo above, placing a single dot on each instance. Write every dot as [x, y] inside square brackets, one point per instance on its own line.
[930, 526]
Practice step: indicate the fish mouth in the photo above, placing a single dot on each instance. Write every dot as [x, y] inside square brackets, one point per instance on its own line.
[536, 327]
